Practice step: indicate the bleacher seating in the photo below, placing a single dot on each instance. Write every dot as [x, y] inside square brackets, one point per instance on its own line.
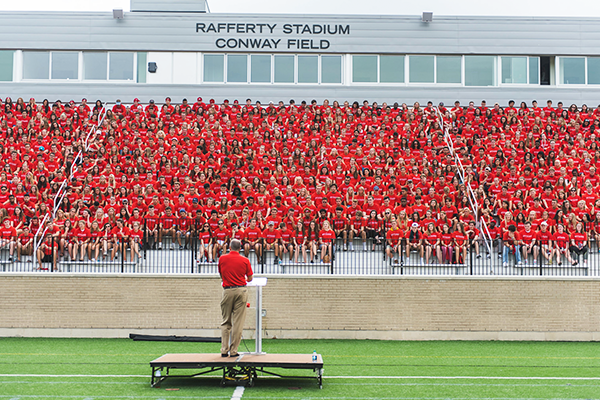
[170, 169]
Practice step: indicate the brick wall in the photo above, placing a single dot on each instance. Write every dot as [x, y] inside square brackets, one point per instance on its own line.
[311, 307]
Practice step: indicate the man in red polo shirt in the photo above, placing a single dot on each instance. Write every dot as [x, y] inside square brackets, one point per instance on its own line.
[235, 271]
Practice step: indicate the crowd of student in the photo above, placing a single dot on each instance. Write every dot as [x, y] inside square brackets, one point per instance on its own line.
[292, 177]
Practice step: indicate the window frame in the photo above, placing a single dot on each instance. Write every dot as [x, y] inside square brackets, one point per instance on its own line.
[558, 62]
[500, 77]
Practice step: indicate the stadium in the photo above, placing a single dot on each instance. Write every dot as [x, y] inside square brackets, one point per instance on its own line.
[422, 198]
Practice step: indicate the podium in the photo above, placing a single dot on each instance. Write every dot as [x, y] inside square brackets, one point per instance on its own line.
[259, 283]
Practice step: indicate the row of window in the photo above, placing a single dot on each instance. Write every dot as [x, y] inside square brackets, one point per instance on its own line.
[468, 70]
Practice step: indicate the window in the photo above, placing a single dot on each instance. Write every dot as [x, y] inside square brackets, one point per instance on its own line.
[36, 65]
[480, 70]
[391, 69]
[237, 68]
[120, 66]
[331, 69]
[94, 65]
[142, 66]
[308, 69]
[593, 70]
[421, 69]
[572, 70]
[65, 65]
[284, 69]
[214, 66]
[364, 69]
[534, 70]
[514, 70]
[260, 69]
[448, 69]
[6, 65]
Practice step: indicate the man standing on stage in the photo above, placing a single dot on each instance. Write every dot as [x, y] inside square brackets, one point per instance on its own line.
[235, 271]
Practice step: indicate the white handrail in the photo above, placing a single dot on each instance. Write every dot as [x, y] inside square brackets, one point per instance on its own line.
[62, 190]
[461, 172]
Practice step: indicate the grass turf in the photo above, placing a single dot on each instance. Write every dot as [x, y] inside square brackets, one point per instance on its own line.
[397, 370]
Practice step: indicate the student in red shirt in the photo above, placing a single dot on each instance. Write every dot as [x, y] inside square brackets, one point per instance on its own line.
[414, 241]
[528, 239]
[136, 236]
[287, 242]
[543, 242]
[326, 239]
[299, 242]
[579, 243]
[120, 238]
[431, 243]
[167, 227]
[272, 239]
[205, 247]
[356, 228]
[81, 238]
[460, 243]
[512, 243]
[312, 238]
[253, 239]
[221, 237]
[96, 235]
[446, 244]
[8, 237]
[561, 242]
[394, 238]
[373, 229]
[24, 243]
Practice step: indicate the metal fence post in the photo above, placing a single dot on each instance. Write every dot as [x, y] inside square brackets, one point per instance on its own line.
[332, 256]
[123, 250]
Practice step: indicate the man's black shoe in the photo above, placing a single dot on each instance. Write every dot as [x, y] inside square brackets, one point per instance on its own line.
[224, 355]
[234, 355]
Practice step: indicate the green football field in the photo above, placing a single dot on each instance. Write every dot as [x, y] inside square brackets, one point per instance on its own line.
[119, 369]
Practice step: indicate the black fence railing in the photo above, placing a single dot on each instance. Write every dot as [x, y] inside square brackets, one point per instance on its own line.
[190, 251]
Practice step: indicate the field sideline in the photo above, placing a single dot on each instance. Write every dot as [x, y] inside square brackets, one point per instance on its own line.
[86, 369]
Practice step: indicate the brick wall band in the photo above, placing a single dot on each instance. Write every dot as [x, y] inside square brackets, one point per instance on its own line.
[333, 307]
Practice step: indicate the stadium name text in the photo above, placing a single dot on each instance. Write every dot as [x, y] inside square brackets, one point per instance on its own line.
[269, 43]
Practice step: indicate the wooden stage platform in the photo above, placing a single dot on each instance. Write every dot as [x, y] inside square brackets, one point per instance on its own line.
[241, 370]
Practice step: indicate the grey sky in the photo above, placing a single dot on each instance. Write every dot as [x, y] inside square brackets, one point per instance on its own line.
[527, 8]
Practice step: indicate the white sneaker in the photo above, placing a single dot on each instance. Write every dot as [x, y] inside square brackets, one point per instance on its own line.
[422, 262]
[351, 247]
[505, 265]
[172, 247]
[160, 245]
[364, 247]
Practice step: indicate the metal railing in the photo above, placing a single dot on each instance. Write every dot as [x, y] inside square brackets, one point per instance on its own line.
[62, 190]
[486, 237]
[368, 257]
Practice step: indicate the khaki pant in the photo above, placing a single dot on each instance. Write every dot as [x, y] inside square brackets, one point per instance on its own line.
[233, 310]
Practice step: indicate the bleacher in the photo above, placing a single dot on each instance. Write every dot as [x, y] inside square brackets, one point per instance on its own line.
[172, 168]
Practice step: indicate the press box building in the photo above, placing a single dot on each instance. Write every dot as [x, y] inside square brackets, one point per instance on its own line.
[178, 49]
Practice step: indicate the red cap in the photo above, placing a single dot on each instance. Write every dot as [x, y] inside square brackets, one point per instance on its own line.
[136, 99]
[212, 100]
[199, 99]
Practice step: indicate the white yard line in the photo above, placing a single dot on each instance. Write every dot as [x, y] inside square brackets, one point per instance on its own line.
[238, 393]
[532, 378]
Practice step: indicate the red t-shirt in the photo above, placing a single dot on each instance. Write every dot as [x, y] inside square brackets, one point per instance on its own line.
[561, 239]
[327, 235]
[271, 236]
[7, 233]
[234, 269]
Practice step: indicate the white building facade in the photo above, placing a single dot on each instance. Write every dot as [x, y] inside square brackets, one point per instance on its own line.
[185, 52]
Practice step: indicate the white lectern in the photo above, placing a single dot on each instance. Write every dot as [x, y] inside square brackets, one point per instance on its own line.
[259, 283]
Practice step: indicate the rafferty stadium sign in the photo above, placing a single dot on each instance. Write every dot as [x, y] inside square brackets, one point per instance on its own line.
[282, 33]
